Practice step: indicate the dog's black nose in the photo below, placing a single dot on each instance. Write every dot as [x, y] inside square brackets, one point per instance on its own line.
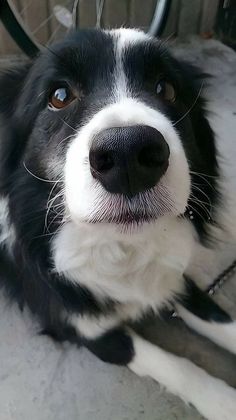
[129, 160]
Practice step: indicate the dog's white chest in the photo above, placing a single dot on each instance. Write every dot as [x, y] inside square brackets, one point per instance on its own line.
[145, 267]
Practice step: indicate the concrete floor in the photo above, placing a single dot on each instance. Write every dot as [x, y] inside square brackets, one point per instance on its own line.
[40, 380]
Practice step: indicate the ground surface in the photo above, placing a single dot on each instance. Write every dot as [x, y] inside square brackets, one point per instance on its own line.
[40, 380]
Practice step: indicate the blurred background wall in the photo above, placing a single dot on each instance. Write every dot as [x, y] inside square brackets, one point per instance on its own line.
[186, 17]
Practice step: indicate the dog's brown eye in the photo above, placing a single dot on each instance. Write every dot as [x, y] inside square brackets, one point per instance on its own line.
[166, 90]
[61, 97]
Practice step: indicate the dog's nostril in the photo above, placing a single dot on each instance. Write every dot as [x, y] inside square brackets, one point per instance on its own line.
[101, 161]
[148, 157]
[152, 156]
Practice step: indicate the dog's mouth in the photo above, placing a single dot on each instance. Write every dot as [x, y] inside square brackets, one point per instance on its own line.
[134, 218]
[135, 211]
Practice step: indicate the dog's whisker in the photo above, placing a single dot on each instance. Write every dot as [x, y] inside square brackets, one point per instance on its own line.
[145, 206]
[191, 107]
[51, 205]
[68, 125]
[197, 199]
[66, 138]
[203, 174]
[203, 178]
[201, 206]
[197, 188]
[37, 177]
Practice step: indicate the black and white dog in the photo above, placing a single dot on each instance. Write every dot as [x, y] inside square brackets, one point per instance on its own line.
[109, 185]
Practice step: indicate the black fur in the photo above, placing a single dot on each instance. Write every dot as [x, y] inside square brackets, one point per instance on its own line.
[114, 347]
[201, 305]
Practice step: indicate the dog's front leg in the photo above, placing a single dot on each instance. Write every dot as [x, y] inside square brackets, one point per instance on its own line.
[213, 398]
[203, 315]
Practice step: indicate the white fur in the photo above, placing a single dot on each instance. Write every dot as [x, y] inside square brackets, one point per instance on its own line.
[223, 334]
[122, 40]
[212, 397]
[128, 36]
[145, 267]
[93, 326]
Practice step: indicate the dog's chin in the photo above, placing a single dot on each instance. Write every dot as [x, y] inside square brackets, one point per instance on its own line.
[125, 223]
[129, 222]
[129, 214]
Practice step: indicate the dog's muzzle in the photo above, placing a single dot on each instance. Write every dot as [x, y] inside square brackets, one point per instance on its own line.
[129, 160]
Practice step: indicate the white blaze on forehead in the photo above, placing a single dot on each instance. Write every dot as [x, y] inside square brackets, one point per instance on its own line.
[124, 38]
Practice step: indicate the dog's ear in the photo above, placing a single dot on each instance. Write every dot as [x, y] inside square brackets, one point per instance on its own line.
[194, 84]
[11, 84]
[203, 159]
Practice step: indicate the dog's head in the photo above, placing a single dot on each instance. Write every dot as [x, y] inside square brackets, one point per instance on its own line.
[108, 128]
